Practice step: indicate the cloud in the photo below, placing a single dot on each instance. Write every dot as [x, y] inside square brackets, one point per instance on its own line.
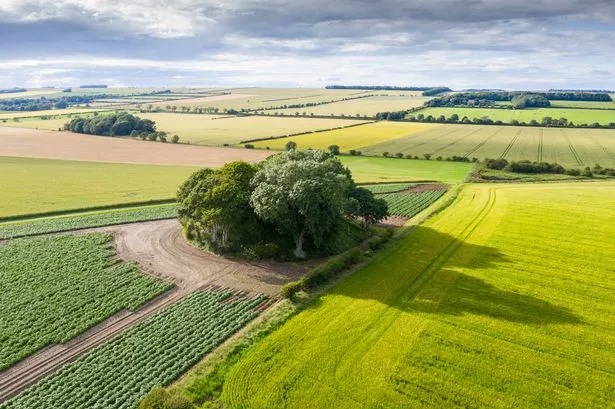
[508, 43]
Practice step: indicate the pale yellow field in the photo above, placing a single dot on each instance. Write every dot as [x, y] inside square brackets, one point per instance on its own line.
[29, 93]
[356, 137]
[30, 114]
[369, 106]
[215, 131]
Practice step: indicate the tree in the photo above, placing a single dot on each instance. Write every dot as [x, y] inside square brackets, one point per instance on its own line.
[302, 193]
[175, 139]
[334, 149]
[290, 145]
[427, 156]
[364, 205]
[159, 398]
[214, 207]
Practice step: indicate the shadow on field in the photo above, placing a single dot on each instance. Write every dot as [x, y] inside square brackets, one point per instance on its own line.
[416, 274]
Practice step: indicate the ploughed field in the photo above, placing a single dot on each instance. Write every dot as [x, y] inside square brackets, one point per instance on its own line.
[503, 299]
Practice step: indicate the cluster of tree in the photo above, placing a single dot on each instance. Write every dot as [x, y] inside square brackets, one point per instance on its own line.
[42, 103]
[526, 166]
[12, 90]
[93, 86]
[384, 88]
[120, 124]
[154, 136]
[294, 201]
[436, 91]
[428, 156]
[601, 91]
[488, 98]
[523, 101]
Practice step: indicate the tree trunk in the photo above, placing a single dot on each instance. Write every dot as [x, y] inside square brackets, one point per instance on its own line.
[299, 253]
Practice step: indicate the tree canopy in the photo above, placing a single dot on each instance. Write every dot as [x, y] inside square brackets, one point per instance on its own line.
[121, 124]
[296, 197]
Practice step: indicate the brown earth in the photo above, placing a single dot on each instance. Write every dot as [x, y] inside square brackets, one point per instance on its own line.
[33, 143]
[160, 249]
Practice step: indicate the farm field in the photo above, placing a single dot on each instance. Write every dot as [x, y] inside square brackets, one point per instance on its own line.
[369, 106]
[55, 185]
[55, 224]
[409, 204]
[73, 146]
[209, 130]
[464, 310]
[578, 116]
[351, 138]
[384, 170]
[8, 116]
[388, 187]
[568, 147]
[54, 288]
[583, 104]
[156, 351]
[29, 93]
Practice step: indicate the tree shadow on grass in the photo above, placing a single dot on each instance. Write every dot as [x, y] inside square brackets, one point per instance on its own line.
[418, 281]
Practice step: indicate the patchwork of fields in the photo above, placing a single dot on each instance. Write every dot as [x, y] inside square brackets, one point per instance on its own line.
[569, 147]
[578, 116]
[466, 310]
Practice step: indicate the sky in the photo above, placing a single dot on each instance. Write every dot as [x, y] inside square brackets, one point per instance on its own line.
[508, 44]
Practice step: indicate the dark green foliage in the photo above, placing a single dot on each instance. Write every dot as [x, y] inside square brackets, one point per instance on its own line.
[334, 149]
[364, 205]
[525, 166]
[290, 145]
[523, 101]
[333, 267]
[435, 91]
[121, 124]
[497, 164]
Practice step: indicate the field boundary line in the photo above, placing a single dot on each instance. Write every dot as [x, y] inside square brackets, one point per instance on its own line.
[540, 143]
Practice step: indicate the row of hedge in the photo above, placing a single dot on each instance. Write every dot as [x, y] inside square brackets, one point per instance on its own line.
[335, 266]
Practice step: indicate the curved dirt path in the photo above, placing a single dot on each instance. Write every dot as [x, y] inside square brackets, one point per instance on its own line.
[158, 248]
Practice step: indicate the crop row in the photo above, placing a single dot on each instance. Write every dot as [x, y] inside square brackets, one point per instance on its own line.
[155, 352]
[66, 223]
[54, 288]
[410, 204]
[388, 188]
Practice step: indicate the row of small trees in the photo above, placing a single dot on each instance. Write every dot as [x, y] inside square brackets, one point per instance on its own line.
[526, 166]
[546, 121]
[301, 197]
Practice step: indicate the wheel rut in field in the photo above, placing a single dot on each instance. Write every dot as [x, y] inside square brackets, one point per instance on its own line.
[159, 249]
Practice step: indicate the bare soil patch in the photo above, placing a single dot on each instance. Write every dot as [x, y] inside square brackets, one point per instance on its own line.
[32, 143]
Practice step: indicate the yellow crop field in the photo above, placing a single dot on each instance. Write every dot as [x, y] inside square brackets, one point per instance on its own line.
[505, 299]
[351, 138]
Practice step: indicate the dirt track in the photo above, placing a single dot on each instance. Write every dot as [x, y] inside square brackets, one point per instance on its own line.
[33, 143]
[160, 249]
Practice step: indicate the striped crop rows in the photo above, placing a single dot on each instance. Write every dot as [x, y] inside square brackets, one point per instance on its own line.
[65, 223]
[156, 351]
[388, 188]
[410, 204]
[54, 288]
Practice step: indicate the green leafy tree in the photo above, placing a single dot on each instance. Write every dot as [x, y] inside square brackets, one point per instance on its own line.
[290, 145]
[334, 149]
[302, 193]
[364, 205]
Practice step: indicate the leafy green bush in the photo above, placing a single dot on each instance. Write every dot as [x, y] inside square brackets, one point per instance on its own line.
[292, 288]
[159, 398]
[328, 270]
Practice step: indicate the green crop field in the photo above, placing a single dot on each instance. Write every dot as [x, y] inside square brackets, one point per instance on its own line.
[54, 288]
[368, 106]
[356, 137]
[54, 224]
[505, 299]
[8, 116]
[412, 203]
[216, 131]
[578, 116]
[583, 104]
[43, 185]
[380, 170]
[388, 187]
[569, 147]
[156, 351]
